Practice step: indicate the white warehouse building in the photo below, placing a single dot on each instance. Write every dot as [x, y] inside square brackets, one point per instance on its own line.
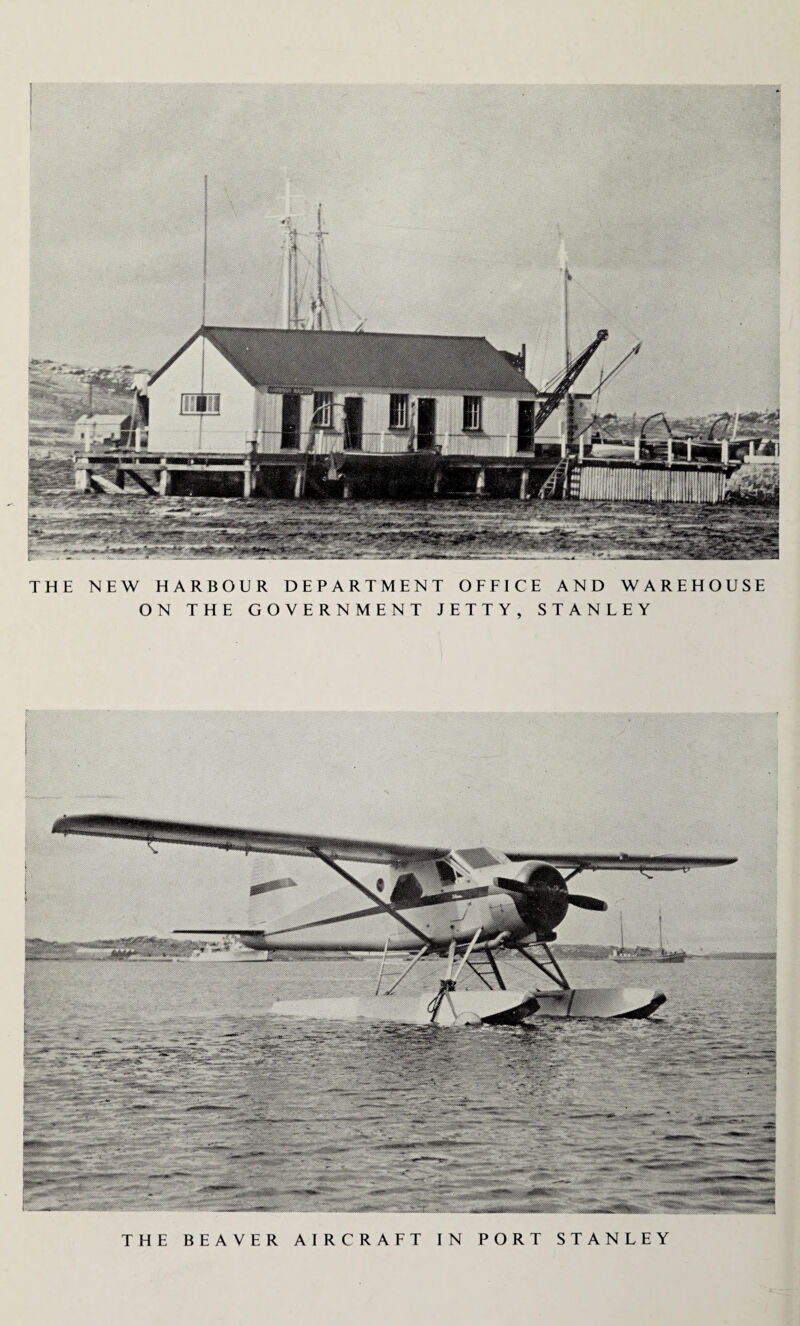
[325, 391]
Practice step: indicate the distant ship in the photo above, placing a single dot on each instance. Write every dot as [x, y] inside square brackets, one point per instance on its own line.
[641, 954]
[230, 950]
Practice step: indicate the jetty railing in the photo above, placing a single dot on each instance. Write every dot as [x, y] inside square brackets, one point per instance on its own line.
[323, 442]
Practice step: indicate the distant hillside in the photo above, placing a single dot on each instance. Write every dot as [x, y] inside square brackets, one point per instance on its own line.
[58, 394]
[151, 946]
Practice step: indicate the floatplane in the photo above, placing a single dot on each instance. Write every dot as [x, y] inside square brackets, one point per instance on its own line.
[469, 907]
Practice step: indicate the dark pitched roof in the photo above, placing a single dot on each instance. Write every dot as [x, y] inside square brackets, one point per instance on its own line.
[277, 358]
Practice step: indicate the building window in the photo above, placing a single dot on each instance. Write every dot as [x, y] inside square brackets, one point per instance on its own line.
[200, 403]
[473, 410]
[323, 409]
[398, 411]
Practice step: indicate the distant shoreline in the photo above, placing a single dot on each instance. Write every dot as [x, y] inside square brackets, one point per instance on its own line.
[150, 948]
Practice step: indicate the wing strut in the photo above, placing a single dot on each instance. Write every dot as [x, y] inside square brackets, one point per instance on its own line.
[373, 897]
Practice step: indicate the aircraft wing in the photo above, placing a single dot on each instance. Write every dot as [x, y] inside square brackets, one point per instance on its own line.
[621, 861]
[242, 840]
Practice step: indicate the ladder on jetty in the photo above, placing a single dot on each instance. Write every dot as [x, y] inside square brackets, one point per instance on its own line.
[556, 483]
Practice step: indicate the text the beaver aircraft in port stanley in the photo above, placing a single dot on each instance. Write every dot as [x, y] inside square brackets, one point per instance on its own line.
[468, 907]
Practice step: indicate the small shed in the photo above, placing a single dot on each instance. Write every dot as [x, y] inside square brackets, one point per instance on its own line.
[96, 429]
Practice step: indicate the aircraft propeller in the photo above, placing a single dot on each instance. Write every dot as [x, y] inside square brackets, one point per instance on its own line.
[543, 899]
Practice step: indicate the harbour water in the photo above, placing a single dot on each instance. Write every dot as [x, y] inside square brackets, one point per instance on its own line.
[162, 1085]
[65, 524]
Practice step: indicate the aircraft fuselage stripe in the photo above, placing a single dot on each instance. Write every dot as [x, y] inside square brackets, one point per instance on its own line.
[437, 900]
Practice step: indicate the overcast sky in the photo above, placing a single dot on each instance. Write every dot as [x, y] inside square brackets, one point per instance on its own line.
[442, 206]
[521, 782]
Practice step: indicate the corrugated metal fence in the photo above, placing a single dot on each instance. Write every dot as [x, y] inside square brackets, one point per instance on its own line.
[629, 483]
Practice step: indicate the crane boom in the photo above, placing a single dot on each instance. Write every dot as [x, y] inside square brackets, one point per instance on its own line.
[556, 396]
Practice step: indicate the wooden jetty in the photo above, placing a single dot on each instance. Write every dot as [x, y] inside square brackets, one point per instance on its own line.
[418, 475]
[298, 474]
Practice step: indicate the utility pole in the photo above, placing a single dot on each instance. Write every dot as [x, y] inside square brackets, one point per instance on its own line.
[203, 315]
[205, 248]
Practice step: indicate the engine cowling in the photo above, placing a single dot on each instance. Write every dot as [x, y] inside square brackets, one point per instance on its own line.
[542, 898]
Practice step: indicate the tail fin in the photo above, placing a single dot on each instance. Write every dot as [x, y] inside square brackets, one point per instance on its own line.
[269, 898]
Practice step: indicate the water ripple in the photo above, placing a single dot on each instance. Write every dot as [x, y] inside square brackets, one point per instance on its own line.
[134, 1103]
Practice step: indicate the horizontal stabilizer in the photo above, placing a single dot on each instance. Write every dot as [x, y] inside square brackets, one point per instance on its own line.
[230, 930]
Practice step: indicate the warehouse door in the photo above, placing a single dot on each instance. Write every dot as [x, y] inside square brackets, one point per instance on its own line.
[426, 423]
[525, 426]
[290, 423]
[353, 422]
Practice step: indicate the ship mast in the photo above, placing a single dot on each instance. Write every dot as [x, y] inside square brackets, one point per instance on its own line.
[317, 314]
[565, 280]
[290, 292]
[660, 934]
[318, 303]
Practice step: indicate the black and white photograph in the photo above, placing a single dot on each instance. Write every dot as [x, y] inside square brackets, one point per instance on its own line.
[386, 961]
[404, 320]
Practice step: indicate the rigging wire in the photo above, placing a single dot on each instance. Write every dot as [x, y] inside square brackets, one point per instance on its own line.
[606, 309]
[277, 305]
[302, 289]
[546, 326]
[599, 388]
[328, 282]
[449, 257]
[635, 397]
[334, 291]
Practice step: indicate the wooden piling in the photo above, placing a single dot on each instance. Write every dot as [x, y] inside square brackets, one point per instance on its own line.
[524, 485]
[480, 483]
[83, 478]
[299, 482]
[164, 479]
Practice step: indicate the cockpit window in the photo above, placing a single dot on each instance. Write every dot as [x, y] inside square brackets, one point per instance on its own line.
[446, 872]
[407, 890]
[475, 857]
